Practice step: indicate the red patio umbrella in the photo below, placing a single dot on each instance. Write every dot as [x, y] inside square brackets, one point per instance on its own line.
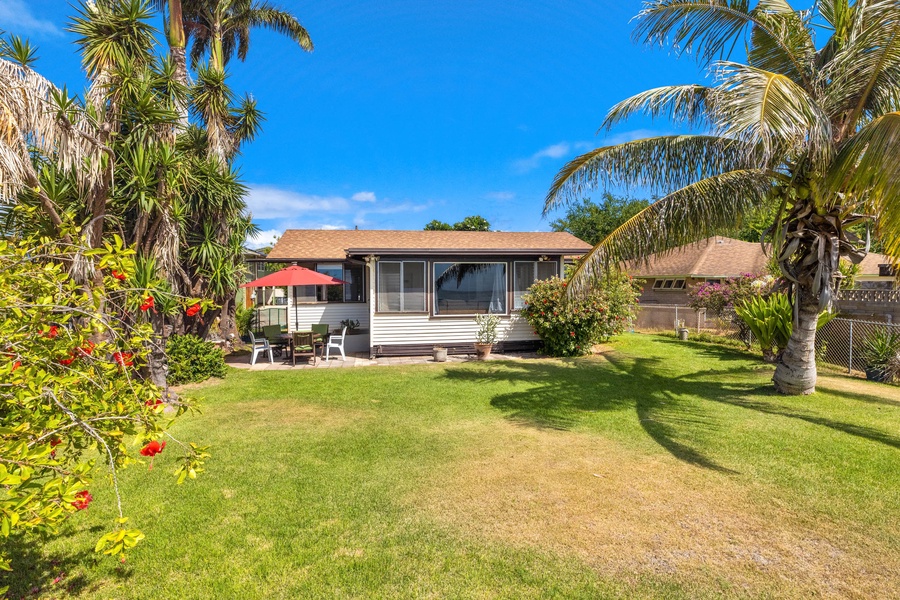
[294, 275]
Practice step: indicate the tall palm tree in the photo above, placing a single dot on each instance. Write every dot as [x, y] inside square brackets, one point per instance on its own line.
[177, 38]
[221, 29]
[815, 126]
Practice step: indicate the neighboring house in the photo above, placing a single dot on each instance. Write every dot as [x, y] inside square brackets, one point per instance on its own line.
[412, 290]
[668, 276]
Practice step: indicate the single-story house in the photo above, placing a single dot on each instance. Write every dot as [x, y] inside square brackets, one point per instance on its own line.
[668, 276]
[412, 290]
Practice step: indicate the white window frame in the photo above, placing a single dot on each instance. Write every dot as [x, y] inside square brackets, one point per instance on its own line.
[660, 285]
[434, 298]
[403, 309]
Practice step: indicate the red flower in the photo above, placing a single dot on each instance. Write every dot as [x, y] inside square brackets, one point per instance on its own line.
[148, 304]
[152, 448]
[193, 310]
[17, 364]
[66, 361]
[118, 275]
[88, 348]
[123, 358]
[53, 332]
[84, 498]
[154, 404]
[55, 442]
[572, 333]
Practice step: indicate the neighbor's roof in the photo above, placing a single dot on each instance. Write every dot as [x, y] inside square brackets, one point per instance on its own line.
[712, 257]
[722, 257]
[319, 244]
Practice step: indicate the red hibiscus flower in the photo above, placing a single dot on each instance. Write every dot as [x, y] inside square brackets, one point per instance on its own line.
[154, 404]
[55, 442]
[152, 448]
[17, 364]
[123, 359]
[66, 361]
[118, 275]
[88, 348]
[53, 332]
[148, 304]
[84, 498]
[193, 310]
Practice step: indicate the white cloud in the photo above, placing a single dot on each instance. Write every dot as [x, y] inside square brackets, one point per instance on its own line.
[523, 165]
[331, 227]
[267, 202]
[500, 196]
[363, 197]
[566, 149]
[16, 18]
[263, 238]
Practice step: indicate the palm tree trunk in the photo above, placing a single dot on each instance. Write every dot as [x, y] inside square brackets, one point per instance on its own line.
[796, 370]
[177, 44]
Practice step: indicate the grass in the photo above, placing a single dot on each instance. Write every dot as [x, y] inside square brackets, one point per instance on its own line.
[661, 469]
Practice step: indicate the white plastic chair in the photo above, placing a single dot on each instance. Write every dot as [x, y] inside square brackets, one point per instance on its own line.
[336, 342]
[259, 346]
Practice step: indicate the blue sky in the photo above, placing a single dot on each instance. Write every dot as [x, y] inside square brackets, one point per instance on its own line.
[409, 111]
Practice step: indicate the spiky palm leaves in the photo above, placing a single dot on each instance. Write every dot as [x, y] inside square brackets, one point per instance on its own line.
[816, 128]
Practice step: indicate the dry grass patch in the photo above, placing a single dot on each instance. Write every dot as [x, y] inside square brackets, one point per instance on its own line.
[629, 515]
[275, 414]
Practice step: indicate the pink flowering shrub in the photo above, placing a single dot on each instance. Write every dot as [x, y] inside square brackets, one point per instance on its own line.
[569, 325]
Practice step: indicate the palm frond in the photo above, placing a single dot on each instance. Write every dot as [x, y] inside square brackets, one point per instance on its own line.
[710, 29]
[769, 109]
[703, 209]
[782, 42]
[659, 164]
[266, 15]
[682, 104]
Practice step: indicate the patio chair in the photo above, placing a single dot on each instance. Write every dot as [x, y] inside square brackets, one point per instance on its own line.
[320, 335]
[336, 341]
[259, 346]
[272, 333]
[303, 346]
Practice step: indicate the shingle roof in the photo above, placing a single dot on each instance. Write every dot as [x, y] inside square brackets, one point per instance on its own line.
[712, 257]
[721, 257]
[308, 244]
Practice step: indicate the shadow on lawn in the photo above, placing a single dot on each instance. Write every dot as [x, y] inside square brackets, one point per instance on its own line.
[668, 407]
[36, 574]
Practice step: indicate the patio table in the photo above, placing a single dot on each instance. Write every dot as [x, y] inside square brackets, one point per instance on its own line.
[318, 341]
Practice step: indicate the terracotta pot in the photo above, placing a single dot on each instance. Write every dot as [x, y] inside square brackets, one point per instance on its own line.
[482, 351]
[440, 354]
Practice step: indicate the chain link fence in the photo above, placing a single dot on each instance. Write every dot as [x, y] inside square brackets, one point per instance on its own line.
[838, 342]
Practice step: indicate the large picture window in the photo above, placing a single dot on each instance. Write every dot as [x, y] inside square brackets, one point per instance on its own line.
[401, 286]
[352, 291]
[525, 273]
[469, 288]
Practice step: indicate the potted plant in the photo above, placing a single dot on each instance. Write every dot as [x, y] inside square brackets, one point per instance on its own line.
[440, 354]
[486, 335]
[880, 352]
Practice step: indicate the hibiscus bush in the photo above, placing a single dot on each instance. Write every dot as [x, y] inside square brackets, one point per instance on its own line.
[569, 325]
[192, 360]
[70, 388]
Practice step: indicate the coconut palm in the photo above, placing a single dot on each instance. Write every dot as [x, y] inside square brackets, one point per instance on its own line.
[813, 125]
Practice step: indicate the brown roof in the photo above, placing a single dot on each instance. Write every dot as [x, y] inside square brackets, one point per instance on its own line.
[869, 265]
[336, 244]
[712, 257]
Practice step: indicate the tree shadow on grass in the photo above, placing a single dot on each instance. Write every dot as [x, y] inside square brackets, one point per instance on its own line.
[39, 574]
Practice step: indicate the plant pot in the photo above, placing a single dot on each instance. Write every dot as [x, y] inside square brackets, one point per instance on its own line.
[683, 334]
[482, 351]
[879, 374]
[440, 354]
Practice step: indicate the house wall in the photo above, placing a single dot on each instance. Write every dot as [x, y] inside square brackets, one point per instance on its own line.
[667, 297]
[415, 333]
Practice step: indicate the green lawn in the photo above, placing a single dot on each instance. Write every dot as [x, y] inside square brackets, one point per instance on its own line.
[659, 469]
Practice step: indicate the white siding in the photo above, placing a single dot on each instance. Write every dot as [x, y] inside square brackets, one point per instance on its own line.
[304, 315]
[398, 329]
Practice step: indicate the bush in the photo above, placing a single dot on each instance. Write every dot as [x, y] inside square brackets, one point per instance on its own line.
[192, 360]
[569, 325]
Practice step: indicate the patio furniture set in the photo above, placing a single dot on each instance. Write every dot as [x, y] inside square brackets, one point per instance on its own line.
[297, 344]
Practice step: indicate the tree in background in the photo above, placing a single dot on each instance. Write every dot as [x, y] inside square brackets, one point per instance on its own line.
[471, 223]
[592, 222]
[814, 127]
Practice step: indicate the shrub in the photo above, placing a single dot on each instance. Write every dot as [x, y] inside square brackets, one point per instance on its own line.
[487, 329]
[192, 360]
[570, 324]
[771, 320]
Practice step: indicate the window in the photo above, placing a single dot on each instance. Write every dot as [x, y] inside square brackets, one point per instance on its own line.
[525, 274]
[401, 286]
[669, 284]
[354, 290]
[469, 288]
[330, 293]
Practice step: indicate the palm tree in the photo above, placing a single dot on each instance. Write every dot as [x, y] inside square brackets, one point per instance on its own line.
[177, 38]
[815, 127]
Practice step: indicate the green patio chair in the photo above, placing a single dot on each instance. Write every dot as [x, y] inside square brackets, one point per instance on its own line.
[273, 334]
[303, 346]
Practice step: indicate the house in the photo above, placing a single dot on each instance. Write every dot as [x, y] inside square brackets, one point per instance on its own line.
[412, 290]
[670, 275]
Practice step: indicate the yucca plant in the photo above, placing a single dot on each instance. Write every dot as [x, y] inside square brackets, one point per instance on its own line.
[881, 352]
[769, 320]
[810, 123]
